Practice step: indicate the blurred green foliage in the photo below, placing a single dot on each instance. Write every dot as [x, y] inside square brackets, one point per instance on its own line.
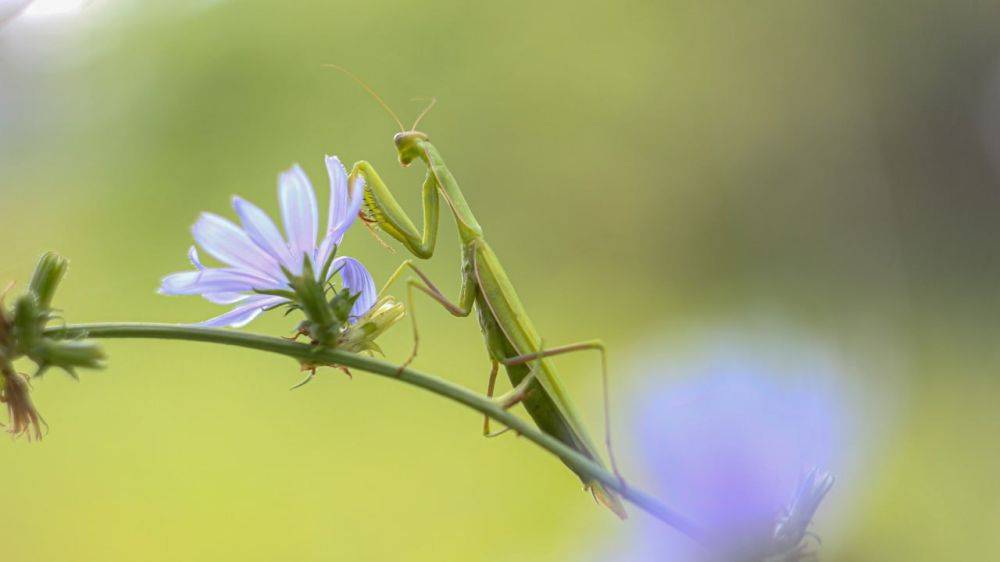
[644, 169]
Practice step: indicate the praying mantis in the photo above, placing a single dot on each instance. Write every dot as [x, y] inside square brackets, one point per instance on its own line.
[510, 336]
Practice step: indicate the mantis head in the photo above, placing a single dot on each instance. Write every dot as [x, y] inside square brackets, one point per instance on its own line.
[408, 146]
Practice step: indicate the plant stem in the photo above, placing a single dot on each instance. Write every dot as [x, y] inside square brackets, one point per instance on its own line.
[441, 387]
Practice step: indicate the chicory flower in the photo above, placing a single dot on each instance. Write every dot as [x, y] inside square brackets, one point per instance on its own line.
[261, 264]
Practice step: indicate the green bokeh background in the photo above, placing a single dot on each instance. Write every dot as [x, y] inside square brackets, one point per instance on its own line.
[646, 170]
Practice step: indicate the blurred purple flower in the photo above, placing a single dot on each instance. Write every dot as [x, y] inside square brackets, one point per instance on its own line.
[259, 258]
[734, 446]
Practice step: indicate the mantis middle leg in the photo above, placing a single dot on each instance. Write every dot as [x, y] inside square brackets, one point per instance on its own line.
[466, 298]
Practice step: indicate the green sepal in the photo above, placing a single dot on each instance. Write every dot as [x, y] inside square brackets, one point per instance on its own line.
[311, 296]
[341, 305]
[27, 322]
[284, 293]
[325, 270]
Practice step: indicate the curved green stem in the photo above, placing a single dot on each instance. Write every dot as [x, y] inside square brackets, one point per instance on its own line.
[480, 403]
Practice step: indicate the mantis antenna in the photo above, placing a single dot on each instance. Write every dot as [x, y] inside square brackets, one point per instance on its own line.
[424, 112]
[372, 92]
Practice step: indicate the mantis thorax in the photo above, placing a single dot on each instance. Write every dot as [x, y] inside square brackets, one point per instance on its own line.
[412, 145]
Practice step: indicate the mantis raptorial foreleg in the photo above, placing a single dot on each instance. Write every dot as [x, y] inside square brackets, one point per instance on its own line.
[391, 217]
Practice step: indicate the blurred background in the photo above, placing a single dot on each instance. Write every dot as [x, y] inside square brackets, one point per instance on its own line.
[804, 193]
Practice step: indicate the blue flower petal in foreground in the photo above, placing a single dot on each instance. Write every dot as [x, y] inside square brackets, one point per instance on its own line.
[357, 281]
[256, 256]
[731, 431]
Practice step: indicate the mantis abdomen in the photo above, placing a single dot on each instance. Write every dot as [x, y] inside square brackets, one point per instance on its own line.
[546, 404]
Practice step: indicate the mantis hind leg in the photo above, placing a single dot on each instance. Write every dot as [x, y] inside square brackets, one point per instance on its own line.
[510, 398]
[463, 308]
[595, 345]
[490, 386]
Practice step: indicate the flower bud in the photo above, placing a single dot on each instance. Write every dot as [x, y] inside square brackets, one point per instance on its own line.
[361, 335]
[67, 355]
[341, 305]
[49, 272]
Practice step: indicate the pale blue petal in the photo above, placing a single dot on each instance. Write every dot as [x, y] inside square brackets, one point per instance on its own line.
[356, 280]
[323, 254]
[225, 298]
[339, 197]
[227, 243]
[350, 208]
[194, 259]
[213, 281]
[299, 213]
[262, 230]
[242, 315]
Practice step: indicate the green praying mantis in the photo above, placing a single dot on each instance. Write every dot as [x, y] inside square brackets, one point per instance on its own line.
[511, 337]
